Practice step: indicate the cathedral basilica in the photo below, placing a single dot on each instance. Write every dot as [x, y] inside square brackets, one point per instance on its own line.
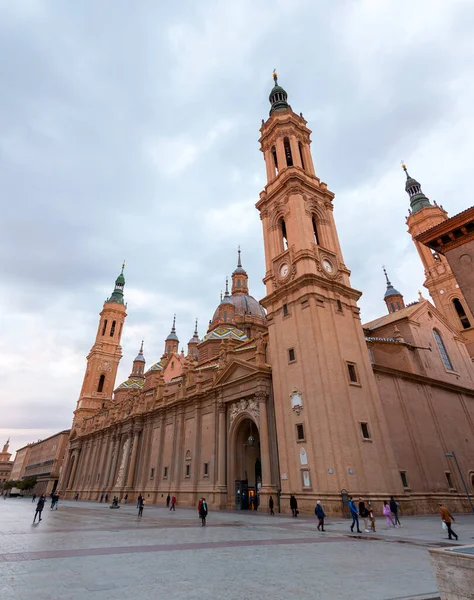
[292, 394]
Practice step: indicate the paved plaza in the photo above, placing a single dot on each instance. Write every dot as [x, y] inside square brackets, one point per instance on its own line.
[85, 549]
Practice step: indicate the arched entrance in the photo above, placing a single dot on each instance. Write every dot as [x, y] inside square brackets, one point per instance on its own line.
[247, 466]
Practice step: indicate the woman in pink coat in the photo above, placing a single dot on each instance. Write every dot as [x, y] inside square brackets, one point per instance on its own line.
[388, 514]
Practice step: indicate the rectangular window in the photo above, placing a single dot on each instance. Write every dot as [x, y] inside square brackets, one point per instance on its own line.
[449, 479]
[300, 432]
[165, 473]
[152, 473]
[285, 310]
[188, 470]
[339, 305]
[98, 477]
[291, 355]
[403, 476]
[351, 369]
[365, 431]
[206, 469]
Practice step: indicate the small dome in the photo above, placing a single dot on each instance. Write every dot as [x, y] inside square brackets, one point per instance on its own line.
[172, 336]
[132, 383]
[221, 333]
[244, 305]
[391, 291]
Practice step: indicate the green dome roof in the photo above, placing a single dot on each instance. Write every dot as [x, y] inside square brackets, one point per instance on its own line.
[278, 96]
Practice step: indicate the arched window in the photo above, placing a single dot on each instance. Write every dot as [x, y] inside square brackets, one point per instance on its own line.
[112, 329]
[100, 387]
[315, 230]
[238, 282]
[225, 316]
[275, 159]
[392, 307]
[104, 327]
[461, 313]
[288, 155]
[300, 148]
[442, 350]
[284, 234]
[168, 350]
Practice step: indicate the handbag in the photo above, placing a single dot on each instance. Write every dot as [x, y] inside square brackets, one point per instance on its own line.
[443, 525]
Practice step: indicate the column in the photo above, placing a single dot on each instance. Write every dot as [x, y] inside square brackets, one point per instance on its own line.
[261, 398]
[196, 457]
[295, 151]
[133, 461]
[70, 483]
[104, 462]
[113, 467]
[221, 480]
[179, 454]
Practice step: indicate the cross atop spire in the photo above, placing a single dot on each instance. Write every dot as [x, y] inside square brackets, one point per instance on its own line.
[278, 97]
[418, 200]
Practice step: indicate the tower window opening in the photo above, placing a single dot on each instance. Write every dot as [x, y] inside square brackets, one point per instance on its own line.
[285, 310]
[461, 313]
[284, 234]
[112, 329]
[339, 305]
[449, 480]
[275, 159]
[315, 230]
[104, 327]
[100, 387]
[300, 148]
[442, 350]
[352, 372]
[403, 475]
[238, 282]
[365, 431]
[288, 155]
[225, 316]
[291, 355]
[392, 306]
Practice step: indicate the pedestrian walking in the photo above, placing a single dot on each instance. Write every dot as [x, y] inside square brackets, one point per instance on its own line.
[173, 503]
[168, 500]
[34, 498]
[203, 512]
[354, 515]
[363, 513]
[141, 506]
[102, 496]
[106, 498]
[76, 497]
[447, 518]
[139, 499]
[270, 505]
[394, 508]
[319, 512]
[294, 506]
[388, 514]
[370, 510]
[125, 499]
[39, 507]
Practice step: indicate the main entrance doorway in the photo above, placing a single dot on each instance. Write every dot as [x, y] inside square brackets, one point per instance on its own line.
[247, 465]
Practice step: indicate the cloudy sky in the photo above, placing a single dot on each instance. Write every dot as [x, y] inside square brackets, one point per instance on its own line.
[129, 131]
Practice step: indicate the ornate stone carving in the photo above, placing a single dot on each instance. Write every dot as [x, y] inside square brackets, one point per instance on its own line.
[244, 405]
[105, 366]
[123, 464]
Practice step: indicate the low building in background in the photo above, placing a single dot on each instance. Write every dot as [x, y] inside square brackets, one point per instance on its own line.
[5, 464]
[20, 462]
[43, 460]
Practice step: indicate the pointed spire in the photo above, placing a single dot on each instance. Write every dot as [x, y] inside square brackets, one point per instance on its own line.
[117, 294]
[172, 335]
[239, 264]
[195, 339]
[391, 291]
[386, 276]
[418, 200]
[226, 287]
[196, 328]
[278, 97]
[140, 356]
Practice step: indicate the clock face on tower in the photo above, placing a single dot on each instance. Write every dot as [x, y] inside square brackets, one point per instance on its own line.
[284, 270]
[327, 266]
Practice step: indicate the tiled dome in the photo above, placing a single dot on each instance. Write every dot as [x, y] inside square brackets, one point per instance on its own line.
[221, 333]
[132, 383]
[158, 366]
[245, 305]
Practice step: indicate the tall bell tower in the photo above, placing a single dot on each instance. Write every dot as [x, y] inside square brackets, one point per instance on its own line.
[331, 429]
[439, 278]
[104, 357]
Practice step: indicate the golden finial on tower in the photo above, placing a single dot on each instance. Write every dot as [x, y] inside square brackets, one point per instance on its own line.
[275, 76]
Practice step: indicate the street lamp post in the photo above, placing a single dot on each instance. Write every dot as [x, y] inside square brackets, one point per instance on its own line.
[452, 455]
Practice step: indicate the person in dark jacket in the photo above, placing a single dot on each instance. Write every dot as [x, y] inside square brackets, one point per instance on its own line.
[141, 505]
[168, 500]
[319, 512]
[363, 513]
[294, 506]
[39, 507]
[203, 511]
[354, 515]
[270, 505]
[394, 511]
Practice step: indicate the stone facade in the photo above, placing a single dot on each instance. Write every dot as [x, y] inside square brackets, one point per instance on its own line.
[291, 395]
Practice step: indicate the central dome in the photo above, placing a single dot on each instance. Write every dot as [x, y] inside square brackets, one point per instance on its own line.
[245, 305]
